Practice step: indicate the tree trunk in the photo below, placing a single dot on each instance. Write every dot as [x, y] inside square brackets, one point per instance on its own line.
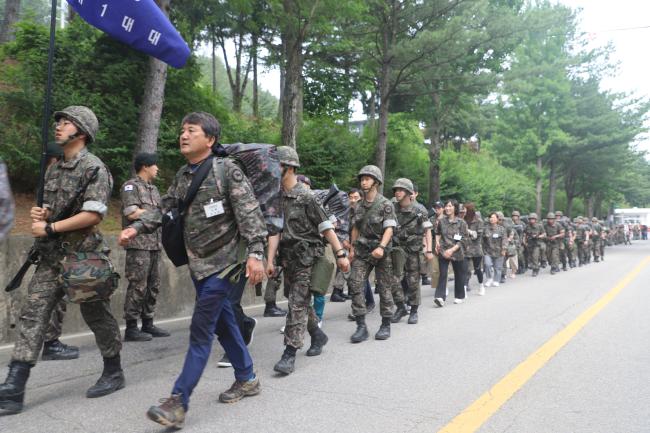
[153, 100]
[12, 10]
[570, 189]
[291, 91]
[372, 109]
[214, 65]
[589, 206]
[256, 102]
[538, 187]
[382, 132]
[552, 186]
[434, 161]
[598, 203]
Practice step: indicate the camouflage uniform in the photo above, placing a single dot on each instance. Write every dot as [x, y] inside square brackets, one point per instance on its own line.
[553, 246]
[425, 267]
[474, 252]
[379, 218]
[531, 234]
[142, 253]
[495, 243]
[273, 285]
[212, 241]
[300, 247]
[6, 203]
[451, 233]
[582, 234]
[45, 291]
[412, 224]
[596, 240]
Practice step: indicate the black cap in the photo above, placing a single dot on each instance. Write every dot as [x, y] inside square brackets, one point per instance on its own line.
[438, 204]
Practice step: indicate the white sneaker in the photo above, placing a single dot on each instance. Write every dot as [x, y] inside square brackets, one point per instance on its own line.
[458, 301]
[495, 284]
[282, 330]
[439, 302]
[488, 283]
[481, 290]
[320, 323]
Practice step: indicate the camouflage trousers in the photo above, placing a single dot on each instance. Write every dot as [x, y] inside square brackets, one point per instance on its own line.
[356, 285]
[411, 277]
[595, 248]
[301, 316]
[43, 295]
[535, 251]
[583, 252]
[553, 253]
[272, 286]
[543, 254]
[572, 252]
[142, 269]
[602, 248]
[55, 325]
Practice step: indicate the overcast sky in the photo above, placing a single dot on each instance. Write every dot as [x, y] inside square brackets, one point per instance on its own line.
[626, 24]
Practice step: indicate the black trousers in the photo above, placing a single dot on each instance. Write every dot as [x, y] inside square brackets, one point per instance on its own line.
[459, 278]
[476, 261]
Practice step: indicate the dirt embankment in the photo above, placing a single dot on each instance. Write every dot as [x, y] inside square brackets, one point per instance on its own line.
[24, 202]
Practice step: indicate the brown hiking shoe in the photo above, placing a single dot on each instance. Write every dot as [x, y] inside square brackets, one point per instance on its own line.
[170, 413]
[239, 390]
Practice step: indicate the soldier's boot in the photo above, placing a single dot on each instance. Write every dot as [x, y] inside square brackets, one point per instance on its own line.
[287, 362]
[503, 278]
[111, 380]
[361, 334]
[170, 413]
[318, 340]
[553, 270]
[272, 310]
[12, 392]
[535, 272]
[132, 333]
[56, 351]
[149, 328]
[425, 280]
[596, 259]
[384, 329]
[337, 296]
[399, 313]
[413, 315]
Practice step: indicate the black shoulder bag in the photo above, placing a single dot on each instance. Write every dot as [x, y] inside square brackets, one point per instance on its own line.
[172, 222]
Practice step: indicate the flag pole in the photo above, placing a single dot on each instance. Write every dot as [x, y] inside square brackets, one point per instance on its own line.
[45, 125]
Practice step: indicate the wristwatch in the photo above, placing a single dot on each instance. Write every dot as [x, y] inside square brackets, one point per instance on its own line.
[256, 256]
[343, 254]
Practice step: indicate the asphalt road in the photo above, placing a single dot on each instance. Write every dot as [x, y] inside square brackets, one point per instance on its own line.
[417, 381]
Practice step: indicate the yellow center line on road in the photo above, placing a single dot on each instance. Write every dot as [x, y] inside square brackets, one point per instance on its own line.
[476, 414]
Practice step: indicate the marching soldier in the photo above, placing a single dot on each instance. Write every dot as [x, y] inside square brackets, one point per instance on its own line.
[301, 247]
[554, 236]
[373, 221]
[413, 226]
[597, 231]
[582, 240]
[80, 182]
[534, 235]
[142, 269]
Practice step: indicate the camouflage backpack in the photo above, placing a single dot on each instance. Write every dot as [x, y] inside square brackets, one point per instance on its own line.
[88, 276]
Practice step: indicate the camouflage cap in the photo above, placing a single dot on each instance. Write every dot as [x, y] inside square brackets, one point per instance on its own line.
[515, 213]
[438, 204]
[82, 117]
[594, 219]
[533, 215]
[499, 214]
[404, 184]
[550, 216]
[372, 171]
[558, 213]
[580, 217]
[288, 156]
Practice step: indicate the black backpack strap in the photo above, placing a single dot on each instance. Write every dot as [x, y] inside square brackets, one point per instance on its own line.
[197, 180]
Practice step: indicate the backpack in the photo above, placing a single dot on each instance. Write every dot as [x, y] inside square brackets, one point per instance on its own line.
[261, 164]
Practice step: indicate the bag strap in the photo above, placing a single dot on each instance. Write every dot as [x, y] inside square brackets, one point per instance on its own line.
[197, 180]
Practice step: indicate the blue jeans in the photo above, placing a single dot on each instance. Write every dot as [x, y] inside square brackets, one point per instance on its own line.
[213, 314]
[370, 298]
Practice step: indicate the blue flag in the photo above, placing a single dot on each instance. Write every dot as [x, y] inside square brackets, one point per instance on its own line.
[138, 23]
